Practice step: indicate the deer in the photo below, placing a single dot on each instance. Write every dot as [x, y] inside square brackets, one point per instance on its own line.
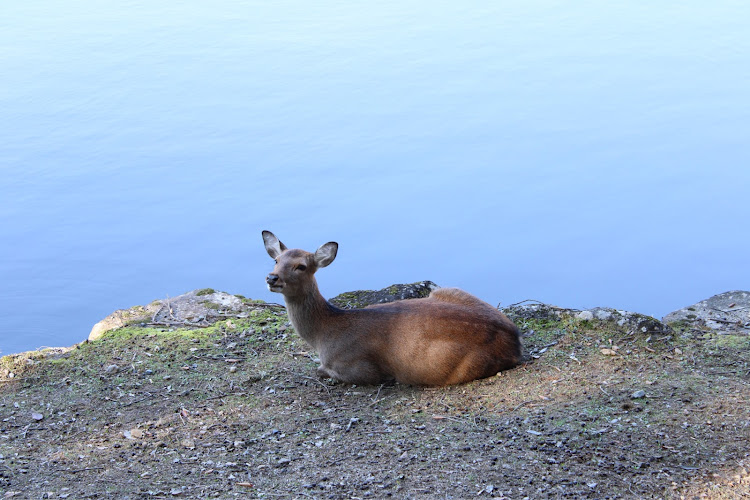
[450, 337]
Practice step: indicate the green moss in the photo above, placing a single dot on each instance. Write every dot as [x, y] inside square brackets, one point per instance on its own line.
[250, 301]
[730, 341]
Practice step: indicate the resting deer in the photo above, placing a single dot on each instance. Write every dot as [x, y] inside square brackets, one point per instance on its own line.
[447, 338]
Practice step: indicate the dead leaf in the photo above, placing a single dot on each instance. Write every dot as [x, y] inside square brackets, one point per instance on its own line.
[609, 352]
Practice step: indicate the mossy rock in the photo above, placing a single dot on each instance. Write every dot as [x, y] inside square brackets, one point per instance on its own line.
[199, 308]
[363, 298]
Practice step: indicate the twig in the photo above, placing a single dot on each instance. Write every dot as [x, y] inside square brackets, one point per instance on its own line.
[724, 321]
[731, 310]
[317, 382]
[375, 400]
[523, 404]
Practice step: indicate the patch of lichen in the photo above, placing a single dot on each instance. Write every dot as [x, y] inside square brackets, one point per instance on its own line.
[18, 365]
[211, 305]
[176, 356]
[351, 300]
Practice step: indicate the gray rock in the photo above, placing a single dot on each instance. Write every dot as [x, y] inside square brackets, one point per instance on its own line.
[727, 312]
[364, 298]
[632, 321]
[585, 315]
[537, 311]
[197, 308]
[627, 320]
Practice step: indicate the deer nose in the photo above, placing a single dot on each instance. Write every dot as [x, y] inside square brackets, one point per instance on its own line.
[271, 279]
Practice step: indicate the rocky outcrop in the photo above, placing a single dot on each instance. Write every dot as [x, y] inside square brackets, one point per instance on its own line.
[727, 312]
[626, 320]
[201, 308]
[364, 298]
[631, 321]
[198, 308]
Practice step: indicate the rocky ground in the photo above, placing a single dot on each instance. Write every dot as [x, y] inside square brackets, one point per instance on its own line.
[214, 396]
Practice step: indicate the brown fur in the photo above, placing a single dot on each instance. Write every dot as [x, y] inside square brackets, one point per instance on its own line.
[447, 338]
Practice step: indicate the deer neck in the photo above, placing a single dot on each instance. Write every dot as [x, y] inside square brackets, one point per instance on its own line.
[309, 313]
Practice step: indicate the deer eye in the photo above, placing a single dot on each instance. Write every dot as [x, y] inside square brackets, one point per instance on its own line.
[301, 267]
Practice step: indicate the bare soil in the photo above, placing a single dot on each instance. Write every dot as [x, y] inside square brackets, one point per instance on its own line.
[234, 410]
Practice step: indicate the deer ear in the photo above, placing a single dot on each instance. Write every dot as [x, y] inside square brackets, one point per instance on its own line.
[326, 253]
[273, 246]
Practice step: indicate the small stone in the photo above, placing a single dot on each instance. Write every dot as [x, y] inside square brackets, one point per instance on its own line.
[37, 416]
[638, 394]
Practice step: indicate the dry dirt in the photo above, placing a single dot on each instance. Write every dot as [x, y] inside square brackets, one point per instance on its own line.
[234, 410]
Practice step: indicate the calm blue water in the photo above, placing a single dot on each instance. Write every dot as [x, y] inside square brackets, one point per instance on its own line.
[586, 154]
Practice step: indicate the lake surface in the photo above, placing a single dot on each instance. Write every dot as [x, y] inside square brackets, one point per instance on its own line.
[583, 155]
